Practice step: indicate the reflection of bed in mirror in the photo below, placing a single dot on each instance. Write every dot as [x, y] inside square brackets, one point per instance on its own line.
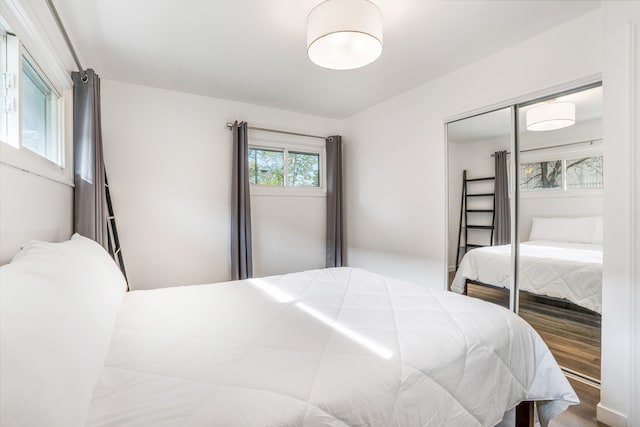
[562, 260]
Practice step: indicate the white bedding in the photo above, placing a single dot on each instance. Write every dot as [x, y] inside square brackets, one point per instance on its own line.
[331, 347]
[572, 271]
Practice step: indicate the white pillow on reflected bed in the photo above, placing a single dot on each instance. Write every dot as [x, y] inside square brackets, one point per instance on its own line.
[573, 230]
[58, 304]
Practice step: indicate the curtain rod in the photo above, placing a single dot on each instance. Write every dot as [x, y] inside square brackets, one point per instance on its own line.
[230, 126]
[589, 141]
[66, 38]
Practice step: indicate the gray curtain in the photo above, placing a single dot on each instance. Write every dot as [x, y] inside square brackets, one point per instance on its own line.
[241, 260]
[334, 253]
[90, 207]
[502, 219]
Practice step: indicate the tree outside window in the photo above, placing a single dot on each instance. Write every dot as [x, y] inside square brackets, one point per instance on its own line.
[578, 173]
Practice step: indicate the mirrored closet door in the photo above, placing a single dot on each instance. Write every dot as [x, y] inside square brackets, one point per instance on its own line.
[525, 202]
[560, 225]
[476, 212]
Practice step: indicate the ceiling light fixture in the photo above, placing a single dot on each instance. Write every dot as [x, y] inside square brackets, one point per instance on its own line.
[551, 116]
[344, 34]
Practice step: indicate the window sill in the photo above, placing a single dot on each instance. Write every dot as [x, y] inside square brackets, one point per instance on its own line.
[33, 163]
[551, 194]
[286, 191]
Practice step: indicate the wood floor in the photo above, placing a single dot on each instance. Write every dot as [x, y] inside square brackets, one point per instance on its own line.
[573, 336]
[584, 414]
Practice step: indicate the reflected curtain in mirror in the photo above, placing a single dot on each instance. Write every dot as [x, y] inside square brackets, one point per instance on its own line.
[502, 220]
[241, 258]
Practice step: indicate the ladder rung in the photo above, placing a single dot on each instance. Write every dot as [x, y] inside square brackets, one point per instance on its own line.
[480, 195]
[488, 178]
[471, 245]
[111, 217]
[481, 227]
[480, 210]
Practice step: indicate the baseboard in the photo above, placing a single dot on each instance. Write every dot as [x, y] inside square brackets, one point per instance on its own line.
[610, 417]
[452, 268]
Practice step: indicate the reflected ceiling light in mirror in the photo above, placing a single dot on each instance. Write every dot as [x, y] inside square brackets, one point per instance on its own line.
[344, 34]
[551, 116]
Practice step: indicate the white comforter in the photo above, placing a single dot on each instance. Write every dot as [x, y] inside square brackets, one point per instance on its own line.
[572, 271]
[331, 347]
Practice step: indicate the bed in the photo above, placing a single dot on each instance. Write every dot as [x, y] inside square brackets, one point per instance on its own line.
[563, 260]
[334, 347]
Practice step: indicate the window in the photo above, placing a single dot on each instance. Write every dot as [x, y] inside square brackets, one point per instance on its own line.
[284, 167]
[39, 114]
[303, 169]
[541, 175]
[585, 173]
[266, 167]
[31, 108]
[574, 173]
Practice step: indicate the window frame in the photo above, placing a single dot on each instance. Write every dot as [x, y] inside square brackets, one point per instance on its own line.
[58, 119]
[563, 155]
[27, 38]
[286, 190]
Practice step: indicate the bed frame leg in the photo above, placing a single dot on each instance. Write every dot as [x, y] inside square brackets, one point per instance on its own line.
[524, 414]
[465, 291]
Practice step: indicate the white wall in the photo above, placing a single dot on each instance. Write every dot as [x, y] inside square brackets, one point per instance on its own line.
[168, 158]
[37, 204]
[32, 207]
[620, 391]
[395, 182]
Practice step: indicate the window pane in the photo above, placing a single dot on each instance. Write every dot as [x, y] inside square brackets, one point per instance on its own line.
[541, 175]
[38, 114]
[266, 167]
[303, 169]
[584, 173]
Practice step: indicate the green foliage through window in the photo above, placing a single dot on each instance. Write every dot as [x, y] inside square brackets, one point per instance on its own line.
[303, 169]
[266, 167]
[269, 167]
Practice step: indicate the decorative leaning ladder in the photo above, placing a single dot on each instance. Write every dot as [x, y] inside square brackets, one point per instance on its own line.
[464, 216]
[115, 250]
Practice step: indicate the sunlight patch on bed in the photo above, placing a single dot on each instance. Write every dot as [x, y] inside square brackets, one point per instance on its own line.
[271, 290]
[349, 333]
[283, 297]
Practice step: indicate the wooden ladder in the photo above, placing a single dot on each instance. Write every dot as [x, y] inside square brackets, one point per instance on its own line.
[464, 216]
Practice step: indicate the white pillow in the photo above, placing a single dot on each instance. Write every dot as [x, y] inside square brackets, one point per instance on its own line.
[58, 304]
[577, 230]
[598, 231]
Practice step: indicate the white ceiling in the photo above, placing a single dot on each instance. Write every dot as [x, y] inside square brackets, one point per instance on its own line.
[255, 50]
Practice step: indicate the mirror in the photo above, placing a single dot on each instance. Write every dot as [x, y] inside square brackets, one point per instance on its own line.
[560, 225]
[559, 183]
[474, 207]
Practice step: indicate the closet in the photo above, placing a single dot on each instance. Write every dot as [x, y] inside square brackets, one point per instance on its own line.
[547, 151]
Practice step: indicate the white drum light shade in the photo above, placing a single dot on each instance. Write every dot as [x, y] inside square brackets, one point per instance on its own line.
[551, 116]
[344, 34]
